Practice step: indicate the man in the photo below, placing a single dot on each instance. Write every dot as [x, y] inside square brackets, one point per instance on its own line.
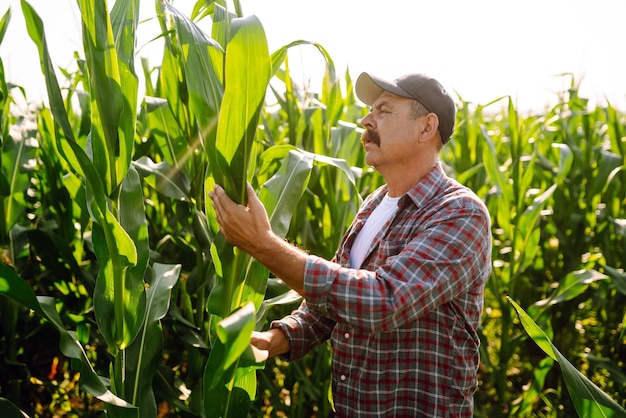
[402, 298]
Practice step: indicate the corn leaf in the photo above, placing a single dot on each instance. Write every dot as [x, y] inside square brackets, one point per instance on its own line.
[527, 234]
[107, 100]
[247, 77]
[9, 410]
[34, 26]
[571, 286]
[144, 354]
[203, 68]
[75, 156]
[279, 57]
[124, 21]
[280, 196]
[233, 339]
[618, 278]
[505, 202]
[14, 287]
[4, 100]
[589, 400]
[168, 181]
[18, 164]
[168, 119]
[4, 24]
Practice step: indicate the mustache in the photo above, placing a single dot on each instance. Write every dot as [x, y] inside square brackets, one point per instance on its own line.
[370, 136]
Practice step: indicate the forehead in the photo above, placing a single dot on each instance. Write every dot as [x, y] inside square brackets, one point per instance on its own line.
[390, 99]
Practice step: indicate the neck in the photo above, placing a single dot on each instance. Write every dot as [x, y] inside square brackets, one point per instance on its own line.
[399, 182]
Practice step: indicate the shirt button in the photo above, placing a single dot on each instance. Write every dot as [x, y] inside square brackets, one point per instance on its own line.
[347, 335]
[343, 377]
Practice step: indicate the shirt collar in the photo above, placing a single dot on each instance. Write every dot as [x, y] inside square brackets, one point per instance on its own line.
[425, 189]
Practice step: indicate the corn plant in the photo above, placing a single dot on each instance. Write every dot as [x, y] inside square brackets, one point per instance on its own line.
[524, 169]
[114, 222]
[588, 399]
[127, 315]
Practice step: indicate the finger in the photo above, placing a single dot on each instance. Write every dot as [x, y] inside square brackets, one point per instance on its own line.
[213, 195]
[220, 199]
[253, 200]
[259, 355]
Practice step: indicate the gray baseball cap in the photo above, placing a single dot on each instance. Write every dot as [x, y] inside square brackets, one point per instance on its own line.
[420, 87]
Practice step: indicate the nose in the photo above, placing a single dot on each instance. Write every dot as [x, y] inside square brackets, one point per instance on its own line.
[367, 121]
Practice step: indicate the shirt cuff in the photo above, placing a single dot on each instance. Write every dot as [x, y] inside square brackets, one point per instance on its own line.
[319, 275]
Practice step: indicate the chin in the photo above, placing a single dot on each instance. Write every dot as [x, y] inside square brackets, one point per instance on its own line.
[370, 161]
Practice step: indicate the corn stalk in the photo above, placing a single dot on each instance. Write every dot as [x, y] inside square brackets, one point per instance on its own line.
[125, 312]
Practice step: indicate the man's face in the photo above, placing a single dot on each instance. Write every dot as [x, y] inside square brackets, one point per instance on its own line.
[391, 132]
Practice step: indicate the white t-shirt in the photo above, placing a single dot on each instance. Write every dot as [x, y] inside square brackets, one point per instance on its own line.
[383, 212]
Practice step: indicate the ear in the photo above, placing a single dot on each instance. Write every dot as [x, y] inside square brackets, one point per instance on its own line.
[430, 128]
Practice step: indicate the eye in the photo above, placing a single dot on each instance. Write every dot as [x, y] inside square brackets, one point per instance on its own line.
[382, 109]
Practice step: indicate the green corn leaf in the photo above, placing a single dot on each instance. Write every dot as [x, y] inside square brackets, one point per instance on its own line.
[14, 287]
[168, 118]
[607, 164]
[4, 92]
[289, 297]
[571, 286]
[34, 26]
[566, 158]
[132, 218]
[144, 354]
[589, 400]
[247, 76]
[233, 339]
[113, 98]
[119, 297]
[618, 278]
[221, 21]
[114, 246]
[243, 393]
[281, 193]
[503, 187]
[18, 164]
[169, 181]
[17, 289]
[527, 234]
[9, 410]
[203, 69]
[280, 56]
[280, 196]
[124, 21]
[4, 24]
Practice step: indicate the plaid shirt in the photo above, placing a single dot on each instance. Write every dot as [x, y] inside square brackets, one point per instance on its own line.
[402, 328]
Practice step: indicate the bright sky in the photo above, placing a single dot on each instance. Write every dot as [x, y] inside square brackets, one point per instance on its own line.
[481, 49]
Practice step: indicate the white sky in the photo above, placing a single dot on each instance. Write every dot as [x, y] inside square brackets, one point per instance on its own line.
[481, 49]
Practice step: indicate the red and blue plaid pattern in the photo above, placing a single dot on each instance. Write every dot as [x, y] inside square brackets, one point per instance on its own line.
[403, 328]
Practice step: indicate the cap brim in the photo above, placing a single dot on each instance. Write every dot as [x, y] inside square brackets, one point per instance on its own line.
[369, 87]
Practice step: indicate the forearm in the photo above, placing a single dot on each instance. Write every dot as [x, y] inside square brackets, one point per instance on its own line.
[284, 260]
